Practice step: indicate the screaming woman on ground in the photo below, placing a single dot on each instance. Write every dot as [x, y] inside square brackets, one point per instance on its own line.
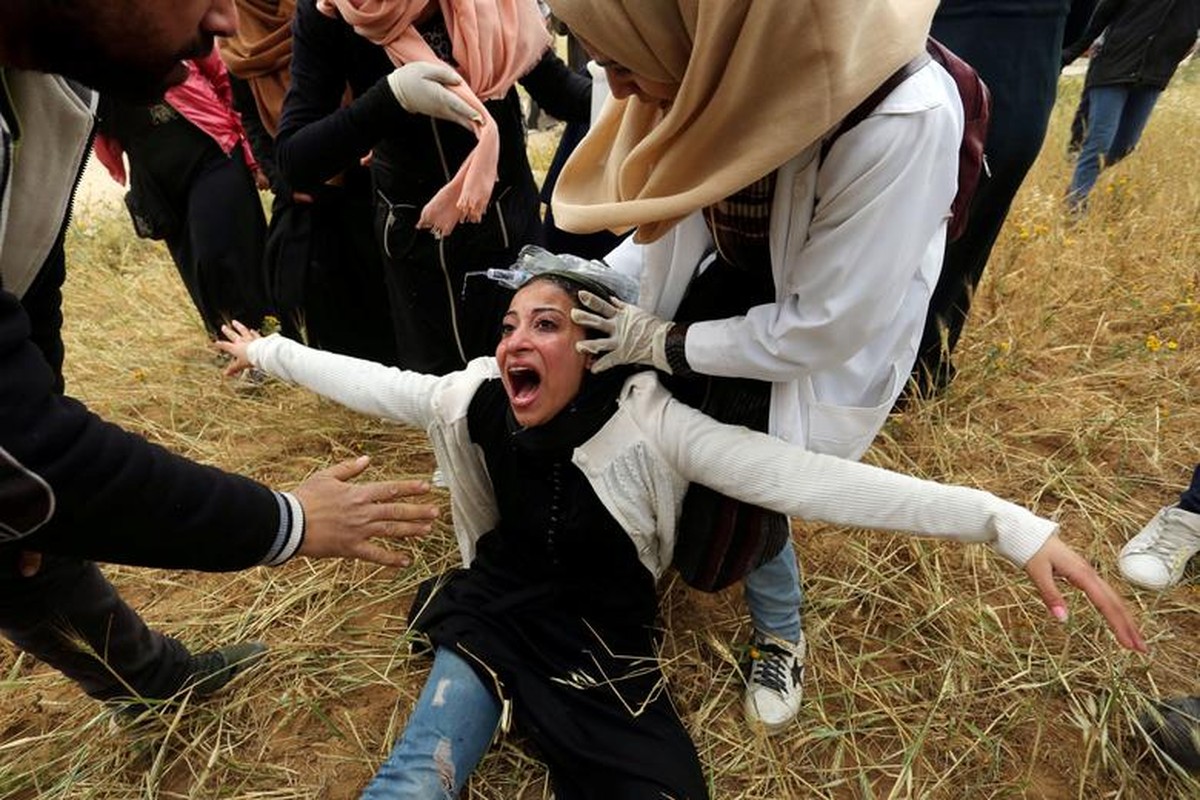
[565, 487]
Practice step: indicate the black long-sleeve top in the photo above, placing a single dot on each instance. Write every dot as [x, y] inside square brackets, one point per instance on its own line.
[318, 138]
[73, 484]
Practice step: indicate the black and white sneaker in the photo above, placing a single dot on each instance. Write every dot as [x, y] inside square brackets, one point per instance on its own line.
[776, 683]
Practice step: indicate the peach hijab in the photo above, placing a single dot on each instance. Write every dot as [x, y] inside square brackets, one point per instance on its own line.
[495, 42]
[759, 81]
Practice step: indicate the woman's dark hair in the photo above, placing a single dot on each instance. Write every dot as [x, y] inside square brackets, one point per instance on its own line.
[572, 284]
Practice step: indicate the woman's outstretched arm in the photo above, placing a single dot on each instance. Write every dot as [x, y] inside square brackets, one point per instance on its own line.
[364, 386]
[766, 471]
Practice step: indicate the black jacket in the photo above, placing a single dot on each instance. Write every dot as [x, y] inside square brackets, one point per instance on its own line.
[71, 483]
[317, 139]
[1144, 43]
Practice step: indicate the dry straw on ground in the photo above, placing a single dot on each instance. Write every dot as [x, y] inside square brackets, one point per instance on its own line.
[933, 670]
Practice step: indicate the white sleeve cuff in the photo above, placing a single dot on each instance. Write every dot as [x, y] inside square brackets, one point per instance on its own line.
[290, 535]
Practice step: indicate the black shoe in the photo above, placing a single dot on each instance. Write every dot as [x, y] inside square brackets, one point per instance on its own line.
[211, 670]
[1174, 727]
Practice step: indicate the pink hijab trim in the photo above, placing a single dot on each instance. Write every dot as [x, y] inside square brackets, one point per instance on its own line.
[495, 42]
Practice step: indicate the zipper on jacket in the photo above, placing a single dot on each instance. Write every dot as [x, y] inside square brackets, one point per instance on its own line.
[441, 245]
[391, 219]
[437, 140]
[387, 223]
[500, 216]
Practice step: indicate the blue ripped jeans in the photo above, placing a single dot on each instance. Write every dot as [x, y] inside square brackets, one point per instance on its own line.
[449, 730]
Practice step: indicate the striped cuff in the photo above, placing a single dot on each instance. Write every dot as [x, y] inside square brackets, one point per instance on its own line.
[676, 350]
[290, 535]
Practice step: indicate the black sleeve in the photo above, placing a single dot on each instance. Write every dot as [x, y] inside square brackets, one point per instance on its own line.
[1105, 11]
[561, 93]
[261, 142]
[73, 484]
[318, 138]
[42, 303]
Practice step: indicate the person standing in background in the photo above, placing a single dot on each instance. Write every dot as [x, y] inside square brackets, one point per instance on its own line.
[322, 265]
[417, 84]
[1144, 42]
[194, 184]
[1015, 47]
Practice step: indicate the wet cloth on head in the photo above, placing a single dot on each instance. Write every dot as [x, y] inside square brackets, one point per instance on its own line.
[495, 42]
[767, 76]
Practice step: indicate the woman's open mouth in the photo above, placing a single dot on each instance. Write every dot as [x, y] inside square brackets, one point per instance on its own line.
[523, 384]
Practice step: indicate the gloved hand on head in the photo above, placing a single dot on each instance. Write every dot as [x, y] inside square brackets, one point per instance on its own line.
[635, 336]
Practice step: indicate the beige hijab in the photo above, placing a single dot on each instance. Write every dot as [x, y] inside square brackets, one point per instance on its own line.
[759, 81]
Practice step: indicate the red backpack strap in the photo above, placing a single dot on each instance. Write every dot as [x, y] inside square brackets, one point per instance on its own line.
[864, 109]
[977, 113]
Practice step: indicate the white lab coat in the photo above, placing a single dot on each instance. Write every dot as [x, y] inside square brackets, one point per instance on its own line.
[856, 247]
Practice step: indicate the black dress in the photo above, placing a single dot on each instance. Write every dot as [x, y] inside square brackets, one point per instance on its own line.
[206, 204]
[556, 614]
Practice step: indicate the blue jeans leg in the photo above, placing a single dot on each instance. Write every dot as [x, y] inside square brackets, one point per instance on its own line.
[448, 732]
[1105, 104]
[1139, 103]
[774, 597]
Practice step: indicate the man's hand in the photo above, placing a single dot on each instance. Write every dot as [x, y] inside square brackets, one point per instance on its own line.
[420, 87]
[1056, 558]
[342, 518]
[634, 336]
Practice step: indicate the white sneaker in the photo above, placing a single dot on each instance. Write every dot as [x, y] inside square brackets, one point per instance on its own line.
[1156, 557]
[776, 682]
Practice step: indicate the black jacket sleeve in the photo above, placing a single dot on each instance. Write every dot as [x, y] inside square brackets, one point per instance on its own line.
[73, 484]
[563, 94]
[1105, 11]
[261, 142]
[318, 138]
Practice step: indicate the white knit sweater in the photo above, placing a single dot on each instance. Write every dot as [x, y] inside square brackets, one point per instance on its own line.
[642, 459]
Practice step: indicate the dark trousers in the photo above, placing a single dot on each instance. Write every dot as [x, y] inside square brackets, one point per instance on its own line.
[326, 275]
[69, 616]
[219, 250]
[1018, 58]
[444, 309]
[1189, 500]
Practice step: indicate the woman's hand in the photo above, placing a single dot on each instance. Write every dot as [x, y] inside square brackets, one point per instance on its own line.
[239, 338]
[634, 336]
[1057, 559]
[421, 87]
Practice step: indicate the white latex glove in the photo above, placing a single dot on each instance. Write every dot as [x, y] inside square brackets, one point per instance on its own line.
[635, 336]
[420, 87]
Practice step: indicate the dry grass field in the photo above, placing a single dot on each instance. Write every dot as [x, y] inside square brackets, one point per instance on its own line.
[934, 672]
